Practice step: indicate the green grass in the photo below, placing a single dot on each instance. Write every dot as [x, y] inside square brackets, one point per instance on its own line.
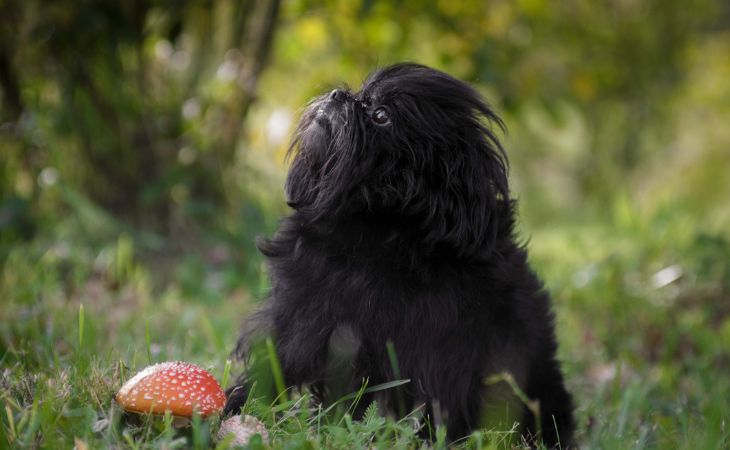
[646, 351]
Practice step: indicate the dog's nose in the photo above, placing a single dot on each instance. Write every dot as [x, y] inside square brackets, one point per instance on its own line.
[338, 95]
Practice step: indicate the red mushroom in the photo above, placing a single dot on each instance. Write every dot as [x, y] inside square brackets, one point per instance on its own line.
[178, 387]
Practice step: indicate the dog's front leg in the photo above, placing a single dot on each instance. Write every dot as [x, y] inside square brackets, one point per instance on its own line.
[294, 342]
[301, 348]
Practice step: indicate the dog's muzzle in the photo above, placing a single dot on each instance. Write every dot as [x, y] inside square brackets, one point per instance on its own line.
[331, 111]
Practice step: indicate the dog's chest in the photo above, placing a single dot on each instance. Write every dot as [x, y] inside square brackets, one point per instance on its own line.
[373, 291]
[383, 303]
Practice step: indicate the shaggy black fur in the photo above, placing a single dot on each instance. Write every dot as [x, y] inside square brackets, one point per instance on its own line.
[402, 232]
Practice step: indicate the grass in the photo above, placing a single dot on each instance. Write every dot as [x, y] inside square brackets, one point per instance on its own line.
[643, 314]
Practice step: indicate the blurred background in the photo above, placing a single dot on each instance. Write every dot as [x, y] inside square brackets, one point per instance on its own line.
[142, 149]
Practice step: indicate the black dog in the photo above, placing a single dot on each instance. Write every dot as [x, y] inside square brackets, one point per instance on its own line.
[401, 251]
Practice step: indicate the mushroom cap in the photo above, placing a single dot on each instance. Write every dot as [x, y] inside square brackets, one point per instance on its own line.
[242, 428]
[178, 387]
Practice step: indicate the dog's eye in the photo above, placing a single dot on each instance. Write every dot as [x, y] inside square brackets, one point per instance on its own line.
[380, 116]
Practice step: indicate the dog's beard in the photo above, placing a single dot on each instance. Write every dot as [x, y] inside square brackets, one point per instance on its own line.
[436, 169]
[321, 121]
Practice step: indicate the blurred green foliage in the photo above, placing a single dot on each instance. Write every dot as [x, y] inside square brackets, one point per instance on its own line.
[138, 105]
[142, 149]
[145, 107]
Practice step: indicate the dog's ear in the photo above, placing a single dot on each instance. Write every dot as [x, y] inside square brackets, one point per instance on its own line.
[472, 208]
[459, 165]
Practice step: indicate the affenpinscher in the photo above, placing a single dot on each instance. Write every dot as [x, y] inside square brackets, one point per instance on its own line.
[400, 255]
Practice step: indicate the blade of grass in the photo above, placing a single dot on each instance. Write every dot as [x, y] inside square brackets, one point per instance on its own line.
[376, 388]
[276, 370]
[148, 340]
[81, 326]
[358, 396]
[33, 421]
[396, 373]
[226, 373]
[11, 422]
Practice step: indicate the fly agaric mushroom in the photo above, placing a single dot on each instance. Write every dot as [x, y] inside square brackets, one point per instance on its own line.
[178, 387]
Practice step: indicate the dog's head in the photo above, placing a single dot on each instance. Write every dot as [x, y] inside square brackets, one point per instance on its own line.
[413, 147]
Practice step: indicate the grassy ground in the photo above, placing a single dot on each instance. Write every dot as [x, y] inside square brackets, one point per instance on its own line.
[642, 301]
